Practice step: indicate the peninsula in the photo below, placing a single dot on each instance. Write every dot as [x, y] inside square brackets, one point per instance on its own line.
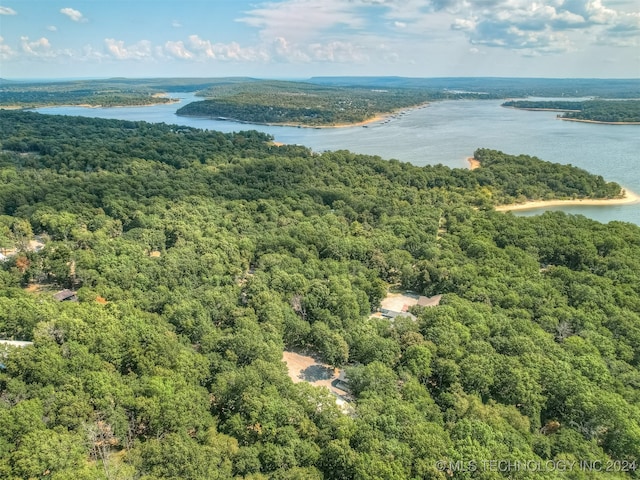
[627, 198]
[611, 112]
[301, 104]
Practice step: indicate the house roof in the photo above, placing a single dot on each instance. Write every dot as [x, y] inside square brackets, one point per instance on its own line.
[64, 295]
[15, 343]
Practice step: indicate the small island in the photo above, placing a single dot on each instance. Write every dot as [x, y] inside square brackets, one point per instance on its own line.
[613, 112]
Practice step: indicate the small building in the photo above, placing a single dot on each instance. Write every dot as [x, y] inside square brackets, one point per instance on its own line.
[15, 343]
[66, 296]
[391, 314]
[342, 382]
[398, 304]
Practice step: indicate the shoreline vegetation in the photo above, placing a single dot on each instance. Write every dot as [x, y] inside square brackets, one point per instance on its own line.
[473, 163]
[518, 195]
[628, 198]
[533, 109]
[567, 119]
[306, 105]
[378, 117]
[90, 105]
[607, 112]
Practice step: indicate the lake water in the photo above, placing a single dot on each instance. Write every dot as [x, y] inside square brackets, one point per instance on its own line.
[448, 132]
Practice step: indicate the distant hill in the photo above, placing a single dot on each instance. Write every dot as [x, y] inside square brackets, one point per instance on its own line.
[507, 87]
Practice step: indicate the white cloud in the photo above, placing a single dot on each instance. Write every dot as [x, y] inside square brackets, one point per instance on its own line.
[278, 50]
[37, 48]
[284, 51]
[204, 47]
[197, 49]
[178, 50]
[74, 15]
[292, 32]
[7, 11]
[138, 51]
[206, 50]
[540, 26]
[40, 50]
[52, 28]
[301, 20]
[598, 13]
[464, 24]
[6, 52]
[411, 10]
[625, 32]
[338, 52]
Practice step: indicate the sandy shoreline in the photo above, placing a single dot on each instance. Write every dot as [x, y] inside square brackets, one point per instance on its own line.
[473, 163]
[377, 118]
[597, 121]
[629, 198]
[533, 109]
[88, 105]
[567, 119]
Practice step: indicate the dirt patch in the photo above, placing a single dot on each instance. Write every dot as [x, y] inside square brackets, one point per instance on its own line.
[308, 368]
[399, 302]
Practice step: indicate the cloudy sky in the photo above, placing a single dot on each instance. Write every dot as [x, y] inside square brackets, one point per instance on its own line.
[303, 38]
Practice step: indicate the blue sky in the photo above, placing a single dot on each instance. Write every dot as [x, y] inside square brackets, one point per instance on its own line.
[303, 38]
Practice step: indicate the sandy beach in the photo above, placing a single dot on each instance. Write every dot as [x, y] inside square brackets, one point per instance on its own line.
[628, 198]
[597, 121]
[377, 118]
[540, 109]
[473, 163]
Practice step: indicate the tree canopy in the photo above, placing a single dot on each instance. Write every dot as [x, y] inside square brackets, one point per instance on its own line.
[197, 257]
[603, 111]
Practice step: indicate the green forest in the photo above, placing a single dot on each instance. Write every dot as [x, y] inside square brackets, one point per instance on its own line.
[606, 111]
[282, 102]
[198, 257]
[112, 92]
[95, 94]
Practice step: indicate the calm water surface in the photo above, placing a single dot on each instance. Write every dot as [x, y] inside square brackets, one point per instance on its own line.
[448, 132]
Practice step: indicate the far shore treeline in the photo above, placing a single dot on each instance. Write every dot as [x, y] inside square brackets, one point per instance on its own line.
[197, 257]
[315, 102]
[604, 111]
